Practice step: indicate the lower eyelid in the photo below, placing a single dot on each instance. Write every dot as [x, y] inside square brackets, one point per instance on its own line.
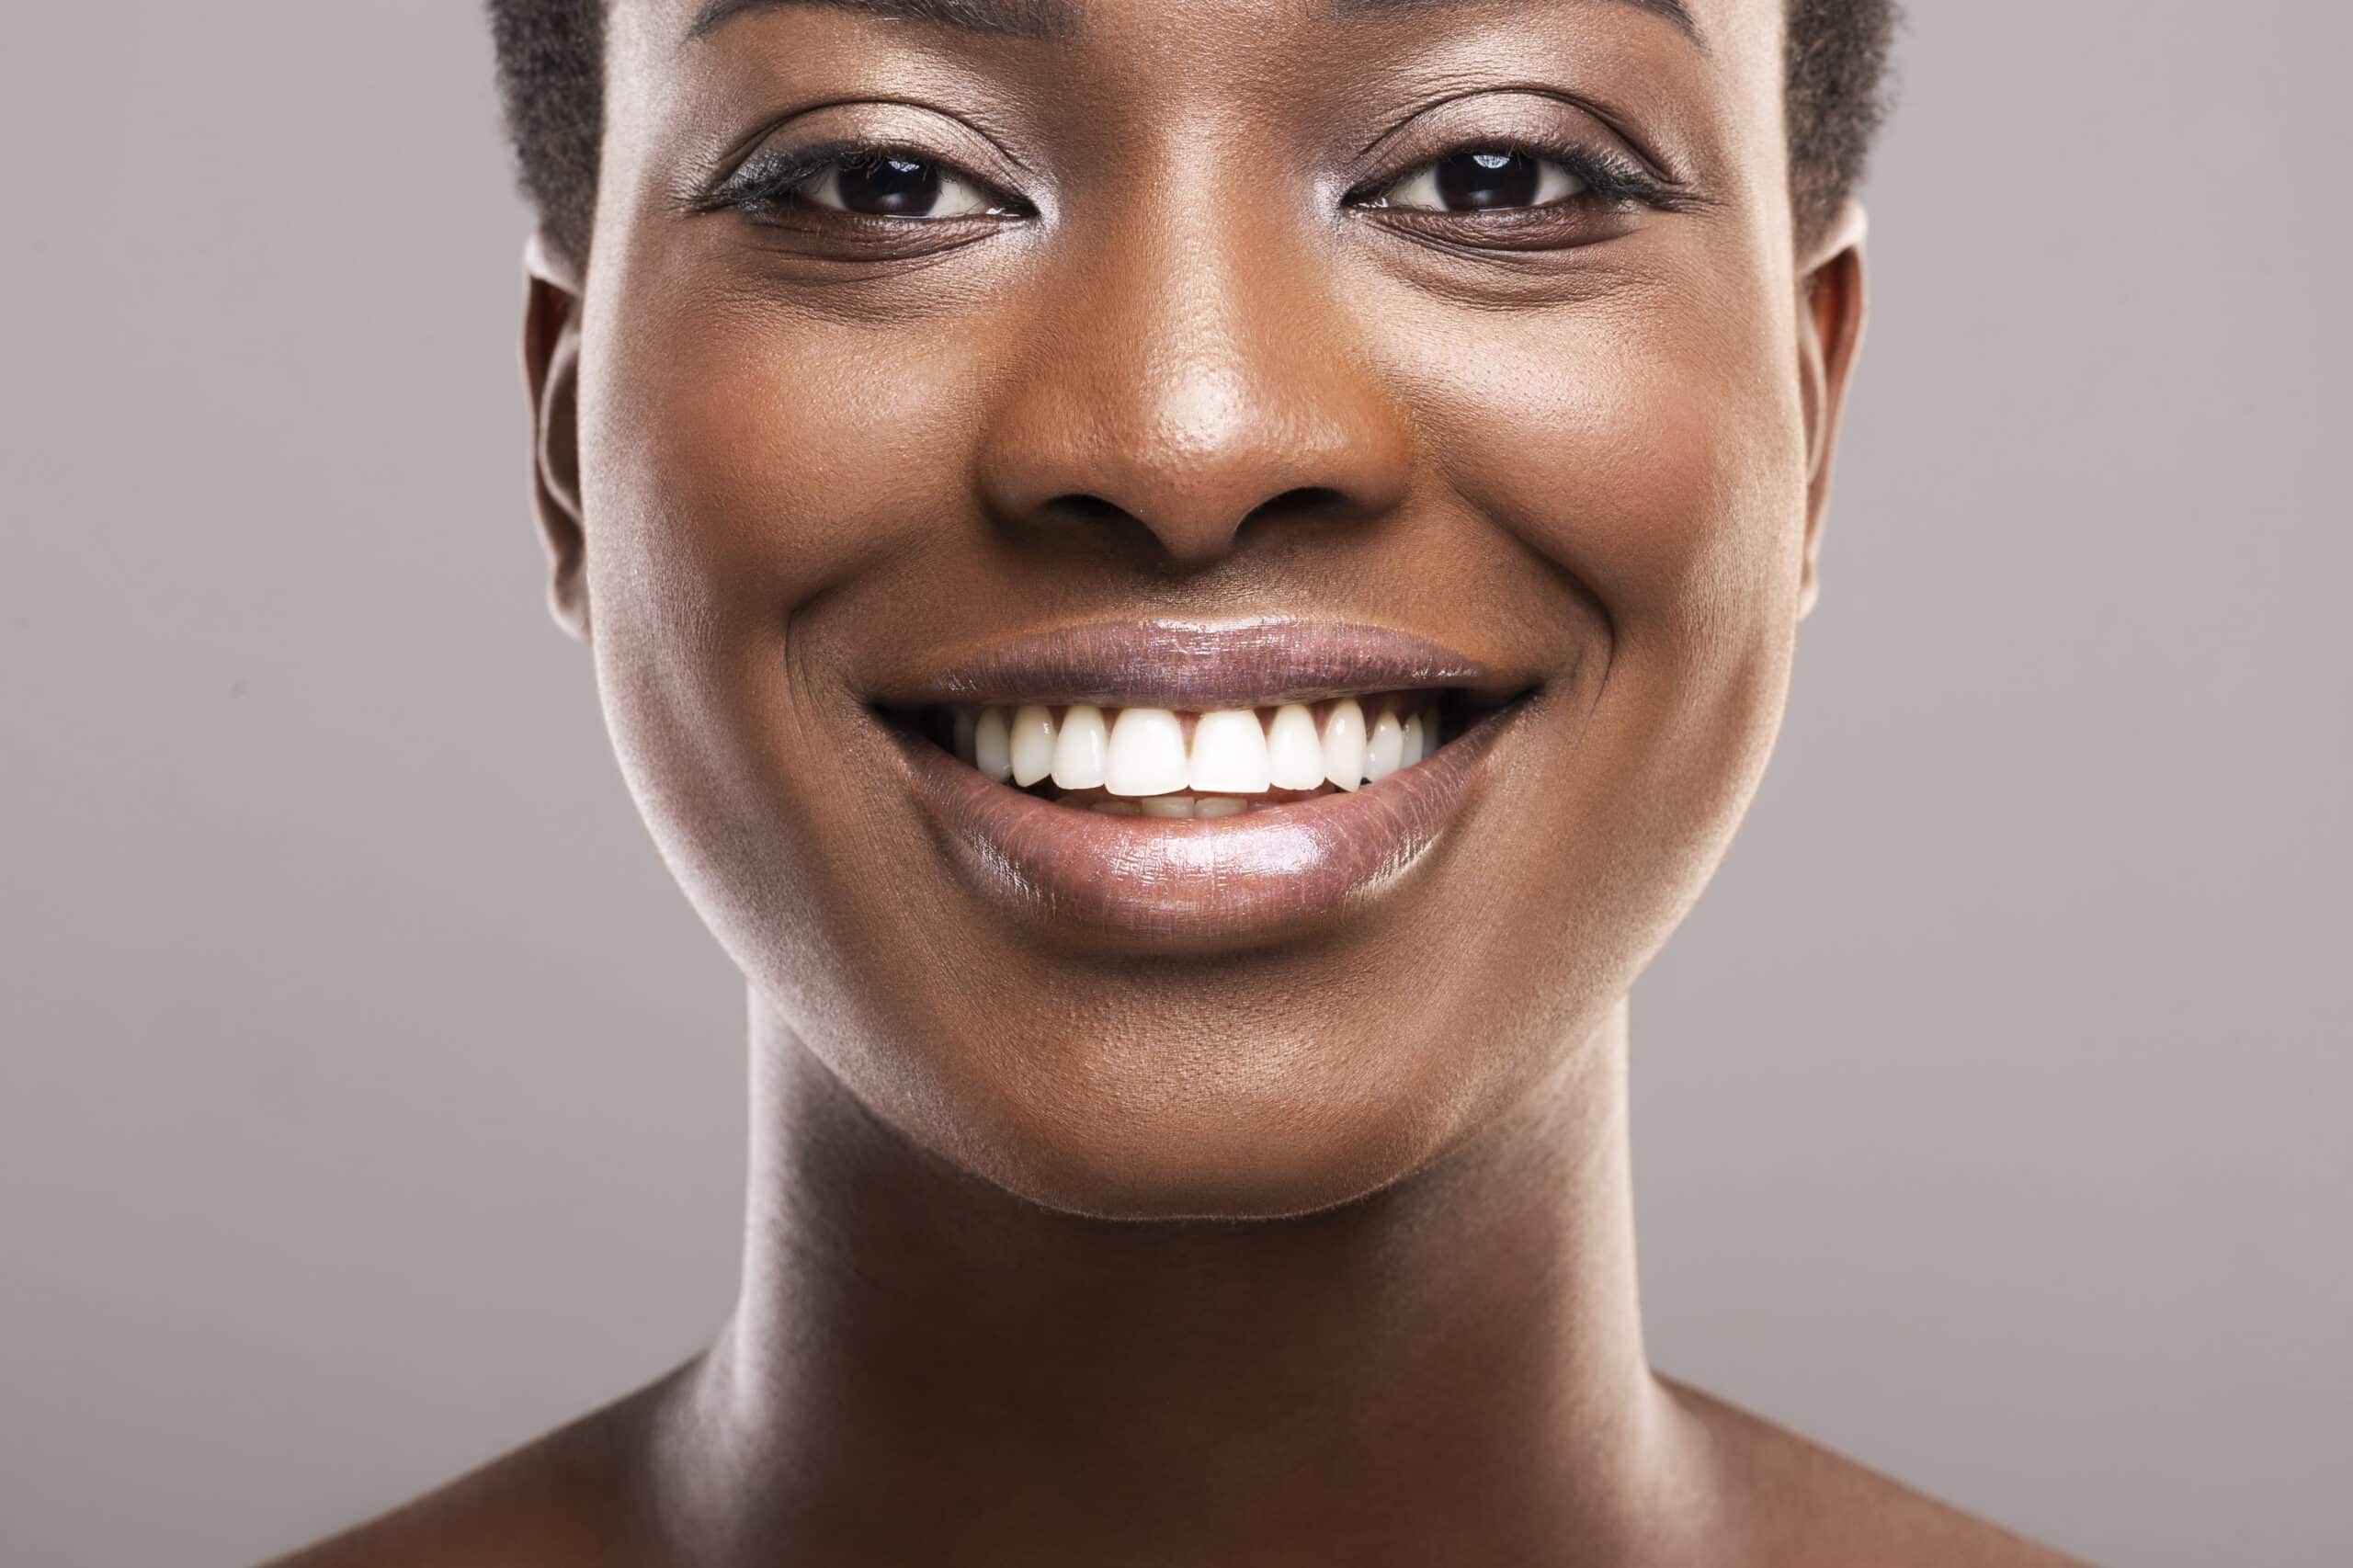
[789, 188]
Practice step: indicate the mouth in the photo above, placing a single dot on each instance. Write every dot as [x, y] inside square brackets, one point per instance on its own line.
[1199, 785]
[1143, 760]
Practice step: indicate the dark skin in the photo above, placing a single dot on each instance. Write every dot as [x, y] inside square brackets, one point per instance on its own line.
[1309, 1249]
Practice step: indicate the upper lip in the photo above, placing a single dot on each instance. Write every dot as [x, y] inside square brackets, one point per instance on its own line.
[1197, 665]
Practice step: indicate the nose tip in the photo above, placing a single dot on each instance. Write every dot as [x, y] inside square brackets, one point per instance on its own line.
[1196, 406]
[1194, 490]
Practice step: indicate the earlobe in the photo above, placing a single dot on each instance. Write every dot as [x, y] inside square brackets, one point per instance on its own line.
[1830, 330]
[551, 372]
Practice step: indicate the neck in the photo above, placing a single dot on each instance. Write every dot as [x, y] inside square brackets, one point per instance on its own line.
[924, 1366]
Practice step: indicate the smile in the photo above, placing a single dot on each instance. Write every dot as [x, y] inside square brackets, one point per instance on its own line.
[1213, 783]
[1155, 762]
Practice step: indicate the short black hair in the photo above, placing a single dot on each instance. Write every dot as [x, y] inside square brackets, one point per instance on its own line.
[552, 77]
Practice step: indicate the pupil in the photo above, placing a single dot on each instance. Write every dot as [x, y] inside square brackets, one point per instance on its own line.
[894, 187]
[1487, 179]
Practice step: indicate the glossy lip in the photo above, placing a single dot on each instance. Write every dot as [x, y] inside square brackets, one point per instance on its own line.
[1173, 884]
[1196, 665]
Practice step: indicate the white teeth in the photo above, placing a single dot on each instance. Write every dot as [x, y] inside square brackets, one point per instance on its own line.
[1143, 752]
[1167, 805]
[1343, 744]
[1117, 808]
[1079, 746]
[1146, 753]
[993, 745]
[1294, 756]
[1230, 753]
[1382, 750]
[1032, 744]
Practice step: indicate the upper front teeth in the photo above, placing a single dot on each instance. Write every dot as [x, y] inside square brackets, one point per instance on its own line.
[1142, 752]
[1294, 751]
[1079, 749]
[1344, 745]
[1229, 757]
[1384, 750]
[1146, 754]
[1032, 754]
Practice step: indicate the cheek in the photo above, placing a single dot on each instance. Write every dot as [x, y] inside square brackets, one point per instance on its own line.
[748, 476]
[763, 458]
[741, 476]
[1649, 449]
[1645, 452]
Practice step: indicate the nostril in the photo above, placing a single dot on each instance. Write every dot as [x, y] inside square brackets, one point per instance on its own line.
[1081, 508]
[1306, 501]
[1199, 529]
[1306, 498]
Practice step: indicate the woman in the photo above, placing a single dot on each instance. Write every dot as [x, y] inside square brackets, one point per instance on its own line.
[1191, 588]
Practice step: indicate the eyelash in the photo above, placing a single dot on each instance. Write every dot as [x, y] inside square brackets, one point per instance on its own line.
[765, 185]
[1610, 179]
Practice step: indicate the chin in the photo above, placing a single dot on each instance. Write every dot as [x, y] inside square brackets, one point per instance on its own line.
[1188, 1122]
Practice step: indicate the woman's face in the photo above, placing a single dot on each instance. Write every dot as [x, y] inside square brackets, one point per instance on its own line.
[1192, 356]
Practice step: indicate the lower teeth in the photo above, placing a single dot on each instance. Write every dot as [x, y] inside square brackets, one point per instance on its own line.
[1170, 807]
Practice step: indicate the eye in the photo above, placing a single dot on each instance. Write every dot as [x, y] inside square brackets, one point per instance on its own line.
[892, 185]
[1484, 179]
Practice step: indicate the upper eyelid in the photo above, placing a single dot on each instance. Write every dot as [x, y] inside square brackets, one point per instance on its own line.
[770, 169]
[725, 167]
[769, 173]
[1606, 171]
[1601, 171]
[1655, 167]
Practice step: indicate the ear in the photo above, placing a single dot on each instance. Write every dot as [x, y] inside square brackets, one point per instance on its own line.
[551, 370]
[1830, 329]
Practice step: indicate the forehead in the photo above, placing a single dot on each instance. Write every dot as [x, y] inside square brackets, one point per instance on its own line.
[1064, 19]
[1733, 27]
[1180, 50]
[1117, 88]
[1699, 83]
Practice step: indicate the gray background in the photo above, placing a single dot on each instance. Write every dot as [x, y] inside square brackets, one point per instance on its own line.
[371, 1101]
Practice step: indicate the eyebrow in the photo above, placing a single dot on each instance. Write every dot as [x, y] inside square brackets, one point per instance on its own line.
[1055, 19]
[1673, 11]
[1017, 18]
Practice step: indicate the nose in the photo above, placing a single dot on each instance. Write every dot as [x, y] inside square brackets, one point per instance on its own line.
[1189, 377]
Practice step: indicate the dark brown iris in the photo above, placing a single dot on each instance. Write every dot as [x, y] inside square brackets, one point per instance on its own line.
[891, 187]
[1484, 179]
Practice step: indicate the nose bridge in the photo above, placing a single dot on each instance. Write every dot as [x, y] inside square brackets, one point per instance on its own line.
[1194, 367]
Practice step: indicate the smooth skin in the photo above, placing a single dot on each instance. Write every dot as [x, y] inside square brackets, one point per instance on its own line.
[1319, 1250]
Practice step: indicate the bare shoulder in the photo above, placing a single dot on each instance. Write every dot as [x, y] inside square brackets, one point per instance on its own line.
[569, 1498]
[1804, 1504]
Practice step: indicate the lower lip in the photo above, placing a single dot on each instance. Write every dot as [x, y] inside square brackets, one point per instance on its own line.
[1222, 881]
